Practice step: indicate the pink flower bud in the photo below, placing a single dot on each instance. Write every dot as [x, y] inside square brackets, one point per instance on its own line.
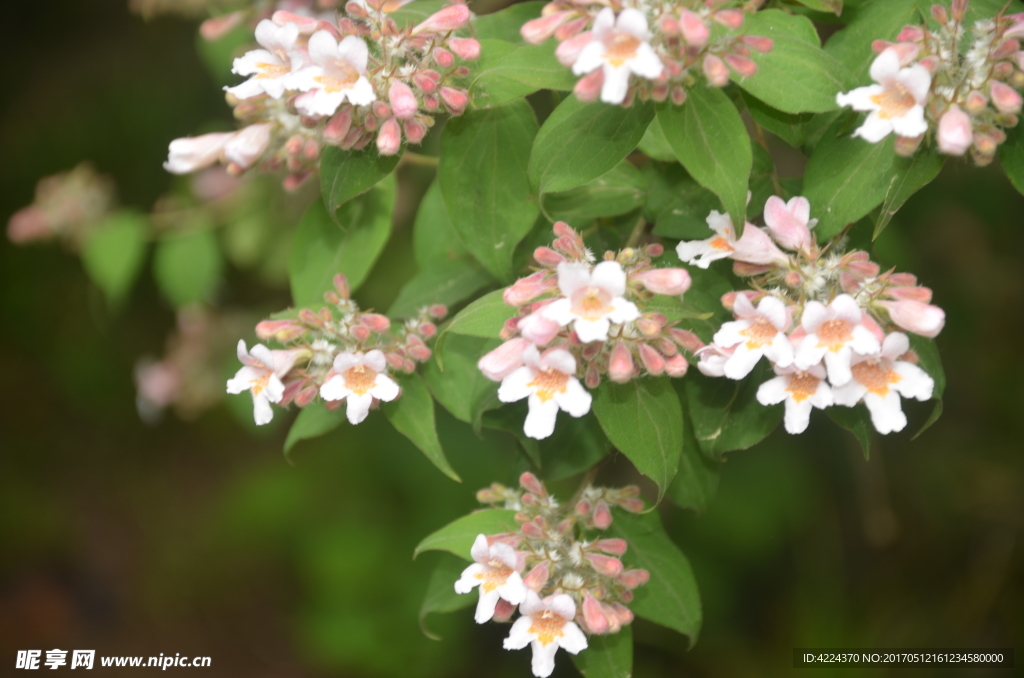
[451, 18]
[219, 26]
[443, 57]
[632, 579]
[715, 71]
[669, 25]
[1006, 98]
[437, 311]
[389, 139]
[538, 577]
[424, 82]
[623, 614]
[930, 63]
[976, 102]
[360, 333]
[538, 329]
[582, 507]
[28, 224]
[632, 505]
[546, 256]
[615, 547]
[788, 222]
[305, 24]
[593, 377]
[602, 516]
[568, 51]
[915, 293]
[537, 31]
[193, 153]
[907, 146]
[428, 330]
[676, 365]
[531, 483]
[653, 361]
[247, 145]
[414, 131]
[668, 281]
[648, 327]
[503, 360]
[958, 8]
[503, 611]
[455, 100]
[940, 14]
[589, 86]
[375, 322]
[620, 364]
[531, 530]
[911, 34]
[1006, 49]
[759, 43]
[688, 340]
[730, 18]
[420, 353]
[695, 32]
[916, 317]
[955, 134]
[864, 269]
[529, 288]
[403, 101]
[466, 49]
[605, 564]
[741, 65]
[571, 28]
[283, 331]
[879, 46]
[593, 616]
[381, 110]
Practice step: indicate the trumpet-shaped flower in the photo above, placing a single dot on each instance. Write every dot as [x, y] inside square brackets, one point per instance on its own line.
[497, 573]
[754, 246]
[359, 378]
[338, 73]
[834, 332]
[758, 332]
[800, 390]
[550, 383]
[271, 66]
[194, 153]
[620, 48]
[881, 379]
[261, 374]
[592, 299]
[789, 222]
[896, 103]
[546, 624]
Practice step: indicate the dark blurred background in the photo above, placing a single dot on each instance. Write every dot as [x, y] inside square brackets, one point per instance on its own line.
[199, 538]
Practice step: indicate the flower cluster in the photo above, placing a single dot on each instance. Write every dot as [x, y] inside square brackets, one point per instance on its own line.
[339, 353]
[815, 314]
[580, 319]
[666, 44]
[316, 82]
[67, 206]
[959, 82]
[565, 572]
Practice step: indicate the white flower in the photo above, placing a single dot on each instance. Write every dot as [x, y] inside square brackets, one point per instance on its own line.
[620, 47]
[546, 625]
[360, 378]
[758, 332]
[193, 153]
[268, 67]
[800, 390]
[881, 379]
[496, 572]
[247, 145]
[261, 373]
[338, 73]
[896, 102]
[835, 333]
[712, 360]
[754, 246]
[550, 383]
[593, 299]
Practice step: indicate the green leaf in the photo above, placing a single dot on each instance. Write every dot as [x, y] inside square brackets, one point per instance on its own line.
[461, 388]
[346, 174]
[874, 20]
[1011, 157]
[575, 447]
[856, 420]
[685, 215]
[113, 254]
[620, 190]
[188, 266]
[671, 597]
[581, 141]
[412, 415]
[846, 178]
[506, 72]
[509, 418]
[433, 237]
[485, 317]
[484, 184]
[787, 126]
[644, 420]
[703, 303]
[441, 596]
[607, 656]
[796, 76]
[314, 420]
[458, 536]
[710, 140]
[655, 145]
[505, 23]
[907, 177]
[443, 282]
[930, 361]
[218, 55]
[415, 12]
[725, 413]
[321, 249]
[833, 6]
[696, 482]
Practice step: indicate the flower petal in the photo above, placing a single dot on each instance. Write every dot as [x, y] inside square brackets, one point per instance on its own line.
[540, 422]
[798, 416]
[514, 386]
[592, 330]
[519, 635]
[886, 412]
[384, 388]
[572, 639]
[469, 578]
[576, 400]
[358, 407]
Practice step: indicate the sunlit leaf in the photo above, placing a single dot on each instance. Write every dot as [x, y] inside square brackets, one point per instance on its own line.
[113, 254]
[188, 266]
[458, 536]
[346, 174]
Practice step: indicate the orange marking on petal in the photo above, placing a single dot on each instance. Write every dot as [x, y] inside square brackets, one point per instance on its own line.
[339, 77]
[760, 334]
[268, 71]
[496, 575]
[894, 101]
[621, 49]
[803, 385]
[875, 376]
[720, 243]
[591, 303]
[549, 382]
[547, 626]
[260, 383]
[360, 379]
[833, 334]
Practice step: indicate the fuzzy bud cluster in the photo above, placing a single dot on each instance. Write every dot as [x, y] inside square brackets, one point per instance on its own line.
[962, 83]
[347, 80]
[337, 352]
[580, 320]
[814, 313]
[648, 49]
[67, 206]
[552, 570]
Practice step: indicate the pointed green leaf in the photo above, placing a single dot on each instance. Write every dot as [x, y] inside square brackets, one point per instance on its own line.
[789, 127]
[187, 266]
[620, 190]
[575, 447]
[655, 145]
[930, 361]
[833, 6]
[644, 420]
[314, 420]
[607, 656]
[412, 415]
[433, 237]
[113, 254]
[443, 282]
[725, 413]
[856, 420]
[346, 174]
[710, 140]
[1011, 157]
[506, 23]
[458, 536]
[506, 72]
[907, 177]
[696, 482]
[441, 596]
[485, 317]
[484, 184]
[460, 387]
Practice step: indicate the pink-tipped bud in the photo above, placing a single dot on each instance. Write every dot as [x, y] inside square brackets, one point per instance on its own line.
[741, 65]
[217, 27]
[669, 25]
[538, 577]
[443, 57]
[648, 327]
[976, 102]
[653, 361]
[1006, 98]
[428, 330]
[571, 28]
[503, 360]
[437, 311]
[914, 293]
[632, 505]
[759, 43]
[903, 279]
[531, 483]
[582, 507]
[525, 290]
[614, 547]
[546, 256]
[1006, 49]
[466, 49]
[403, 102]
[715, 71]
[381, 110]
[940, 14]
[414, 131]
[568, 51]
[537, 31]
[360, 333]
[283, 331]
[955, 133]
[589, 86]
[914, 316]
[451, 18]
[620, 364]
[623, 614]
[310, 318]
[676, 365]
[593, 377]
[28, 224]
[531, 530]
[593, 616]
[907, 146]
[911, 34]
[305, 24]
[864, 269]
[389, 138]
[958, 8]
[632, 579]
[424, 82]
[668, 281]
[688, 340]
[306, 395]
[730, 18]
[879, 46]
[538, 329]
[602, 516]
[455, 100]
[605, 564]
[695, 32]
[375, 322]
[503, 611]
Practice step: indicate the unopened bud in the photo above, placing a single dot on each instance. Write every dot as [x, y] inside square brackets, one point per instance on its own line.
[602, 515]
[414, 131]
[593, 377]
[940, 15]
[1005, 98]
[537, 31]
[615, 547]
[955, 134]
[695, 32]
[589, 86]
[455, 100]
[620, 364]
[582, 507]
[466, 49]
[730, 18]
[443, 57]
[632, 579]
[451, 18]
[907, 146]
[688, 340]
[653, 361]
[741, 65]
[389, 139]
[593, 615]
[605, 564]
[976, 102]
[503, 360]
[715, 71]
[503, 611]
[537, 577]
[915, 293]
[676, 365]
[668, 281]
[759, 43]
